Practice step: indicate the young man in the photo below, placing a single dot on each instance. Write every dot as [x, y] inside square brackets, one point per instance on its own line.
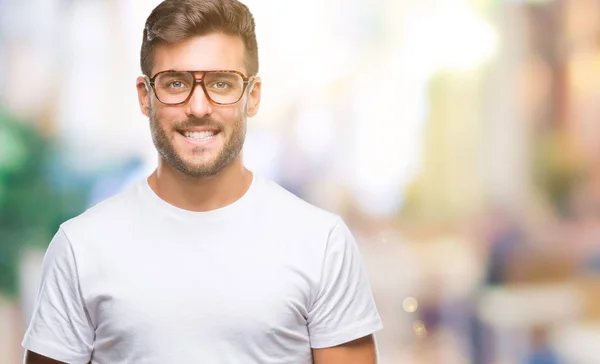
[203, 262]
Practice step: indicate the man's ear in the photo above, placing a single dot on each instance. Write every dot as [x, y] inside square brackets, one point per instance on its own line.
[144, 93]
[254, 97]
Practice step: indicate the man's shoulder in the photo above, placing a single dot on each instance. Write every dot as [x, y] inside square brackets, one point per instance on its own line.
[287, 205]
[111, 211]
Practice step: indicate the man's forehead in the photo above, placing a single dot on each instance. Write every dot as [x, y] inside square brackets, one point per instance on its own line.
[214, 51]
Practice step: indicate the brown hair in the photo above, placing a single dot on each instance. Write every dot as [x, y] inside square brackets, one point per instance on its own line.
[173, 21]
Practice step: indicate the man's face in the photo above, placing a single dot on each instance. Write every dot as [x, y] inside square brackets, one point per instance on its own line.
[200, 138]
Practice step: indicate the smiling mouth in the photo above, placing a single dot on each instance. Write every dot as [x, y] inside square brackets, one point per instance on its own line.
[199, 136]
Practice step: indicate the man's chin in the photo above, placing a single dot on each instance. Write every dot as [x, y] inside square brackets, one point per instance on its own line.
[198, 163]
[200, 170]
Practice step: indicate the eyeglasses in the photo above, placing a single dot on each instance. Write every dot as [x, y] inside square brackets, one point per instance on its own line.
[220, 87]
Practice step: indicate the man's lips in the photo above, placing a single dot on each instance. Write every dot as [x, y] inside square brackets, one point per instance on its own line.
[199, 136]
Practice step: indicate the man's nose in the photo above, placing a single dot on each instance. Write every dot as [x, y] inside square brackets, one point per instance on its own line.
[198, 105]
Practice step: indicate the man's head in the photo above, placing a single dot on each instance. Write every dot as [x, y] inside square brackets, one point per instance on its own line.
[198, 118]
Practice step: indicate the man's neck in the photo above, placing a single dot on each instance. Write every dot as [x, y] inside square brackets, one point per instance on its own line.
[201, 194]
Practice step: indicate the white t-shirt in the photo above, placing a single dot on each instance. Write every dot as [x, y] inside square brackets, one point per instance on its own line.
[263, 280]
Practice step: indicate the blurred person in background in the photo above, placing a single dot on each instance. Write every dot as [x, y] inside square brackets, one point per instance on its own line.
[203, 260]
[542, 351]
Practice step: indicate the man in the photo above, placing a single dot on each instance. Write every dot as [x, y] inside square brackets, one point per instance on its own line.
[203, 262]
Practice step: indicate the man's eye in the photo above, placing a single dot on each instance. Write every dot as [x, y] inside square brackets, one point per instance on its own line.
[221, 85]
[176, 84]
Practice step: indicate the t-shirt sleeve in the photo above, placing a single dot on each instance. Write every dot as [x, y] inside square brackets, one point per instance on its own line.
[60, 327]
[344, 309]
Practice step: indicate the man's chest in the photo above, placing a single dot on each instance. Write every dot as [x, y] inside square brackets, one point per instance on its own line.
[200, 294]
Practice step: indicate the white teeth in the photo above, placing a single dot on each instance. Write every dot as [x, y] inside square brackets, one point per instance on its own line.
[199, 135]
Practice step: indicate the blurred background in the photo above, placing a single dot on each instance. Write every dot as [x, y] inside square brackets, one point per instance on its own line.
[459, 139]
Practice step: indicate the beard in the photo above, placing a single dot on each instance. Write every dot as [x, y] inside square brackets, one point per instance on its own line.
[200, 163]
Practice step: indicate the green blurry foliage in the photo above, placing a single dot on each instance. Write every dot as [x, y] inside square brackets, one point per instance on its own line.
[31, 209]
